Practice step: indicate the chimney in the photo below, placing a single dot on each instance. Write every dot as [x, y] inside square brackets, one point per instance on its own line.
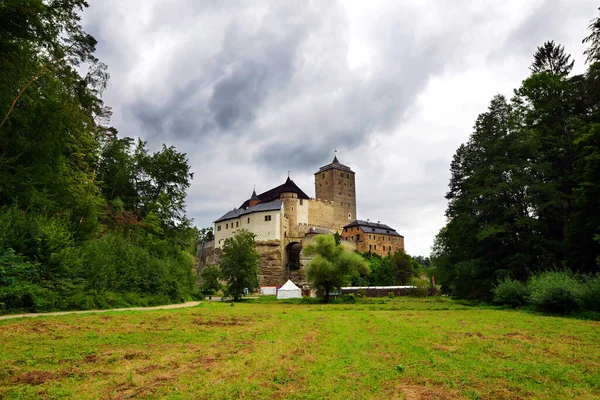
[378, 222]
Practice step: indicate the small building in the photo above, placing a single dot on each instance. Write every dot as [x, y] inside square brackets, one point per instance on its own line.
[373, 237]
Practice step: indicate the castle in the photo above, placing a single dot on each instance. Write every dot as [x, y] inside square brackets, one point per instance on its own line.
[285, 218]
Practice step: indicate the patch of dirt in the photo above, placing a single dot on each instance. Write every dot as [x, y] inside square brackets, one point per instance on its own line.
[517, 335]
[220, 322]
[136, 355]
[502, 394]
[91, 359]
[146, 369]
[33, 378]
[415, 392]
[444, 348]
[473, 334]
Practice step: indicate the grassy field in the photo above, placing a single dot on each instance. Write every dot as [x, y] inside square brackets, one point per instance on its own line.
[391, 348]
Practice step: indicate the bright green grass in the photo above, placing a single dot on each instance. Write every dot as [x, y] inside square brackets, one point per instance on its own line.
[390, 348]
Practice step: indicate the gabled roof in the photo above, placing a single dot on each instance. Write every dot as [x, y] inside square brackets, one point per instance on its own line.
[288, 187]
[238, 212]
[335, 164]
[374, 227]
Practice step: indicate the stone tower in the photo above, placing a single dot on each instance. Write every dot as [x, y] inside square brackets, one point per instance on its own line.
[335, 183]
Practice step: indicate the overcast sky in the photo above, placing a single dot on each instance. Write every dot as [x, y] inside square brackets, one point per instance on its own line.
[253, 89]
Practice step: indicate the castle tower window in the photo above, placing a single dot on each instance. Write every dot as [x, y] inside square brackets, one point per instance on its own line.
[301, 201]
[267, 217]
[226, 226]
[219, 228]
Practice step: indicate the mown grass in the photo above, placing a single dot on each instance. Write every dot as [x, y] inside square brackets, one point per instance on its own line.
[377, 348]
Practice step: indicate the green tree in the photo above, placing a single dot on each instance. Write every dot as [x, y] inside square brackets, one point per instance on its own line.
[206, 234]
[239, 264]
[551, 58]
[593, 41]
[402, 268]
[332, 265]
[210, 279]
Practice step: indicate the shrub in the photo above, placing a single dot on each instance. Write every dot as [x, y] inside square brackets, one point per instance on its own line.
[590, 293]
[421, 287]
[511, 292]
[556, 291]
[390, 295]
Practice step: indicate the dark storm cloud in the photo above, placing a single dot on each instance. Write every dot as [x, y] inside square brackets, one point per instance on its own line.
[229, 86]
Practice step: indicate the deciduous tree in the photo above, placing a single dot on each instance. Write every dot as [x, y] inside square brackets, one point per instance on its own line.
[332, 265]
[239, 264]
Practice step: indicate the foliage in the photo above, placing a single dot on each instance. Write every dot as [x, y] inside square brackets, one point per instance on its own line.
[590, 293]
[555, 291]
[206, 234]
[332, 265]
[523, 191]
[239, 264]
[402, 268]
[511, 292]
[86, 219]
[593, 41]
[551, 58]
[210, 279]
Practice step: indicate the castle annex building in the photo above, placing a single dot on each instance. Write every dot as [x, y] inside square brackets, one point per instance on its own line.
[285, 218]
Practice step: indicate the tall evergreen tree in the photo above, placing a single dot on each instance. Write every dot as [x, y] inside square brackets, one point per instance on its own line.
[551, 58]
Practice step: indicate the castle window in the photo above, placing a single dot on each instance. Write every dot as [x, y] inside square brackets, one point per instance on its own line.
[374, 247]
[237, 224]
[349, 216]
[389, 239]
[219, 228]
[344, 183]
[226, 226]
[339, 182]
[301, 201]
[323, 176]
[370, 247]
[352, 238]
[369, 238]
[248, 220]
[267, 217]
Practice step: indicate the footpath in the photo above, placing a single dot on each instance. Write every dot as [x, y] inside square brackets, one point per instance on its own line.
[165, 307]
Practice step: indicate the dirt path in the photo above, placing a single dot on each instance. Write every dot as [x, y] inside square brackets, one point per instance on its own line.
[166, 307]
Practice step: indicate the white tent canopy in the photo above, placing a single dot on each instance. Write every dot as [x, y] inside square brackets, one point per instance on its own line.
[289, 291]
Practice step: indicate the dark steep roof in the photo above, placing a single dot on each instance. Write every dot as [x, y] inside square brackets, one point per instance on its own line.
[254, 196]
[238, 212]
[374, 227]
[335, 164]
[288, 187]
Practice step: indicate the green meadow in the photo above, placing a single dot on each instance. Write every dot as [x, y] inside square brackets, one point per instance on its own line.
[400, 348]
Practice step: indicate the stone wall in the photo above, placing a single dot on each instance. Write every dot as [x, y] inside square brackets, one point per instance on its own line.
[338, 187]
[321, 213]
[271, 271]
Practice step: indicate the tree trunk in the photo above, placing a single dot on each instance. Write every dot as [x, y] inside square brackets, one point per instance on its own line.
[326, 298]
